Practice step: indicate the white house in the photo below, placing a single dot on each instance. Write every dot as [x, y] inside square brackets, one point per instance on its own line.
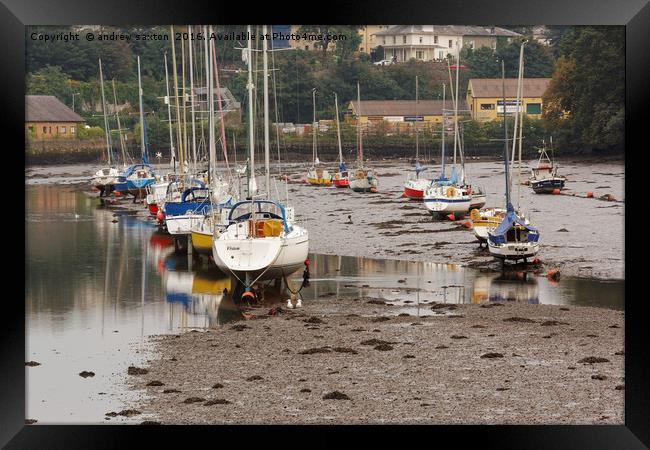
[435, 42]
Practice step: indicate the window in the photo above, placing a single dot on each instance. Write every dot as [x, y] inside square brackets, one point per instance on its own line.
[435, 39]
[487, 106]
[404, 39]
[534, 108]
[383, 40]
[441, 54]
[419, 54]
[394, 40]
[73, 130]
[361, 49]
[62, 130]
[306, 47]
[471, 44]
[420, 39]
[44, 130]
[451, 43]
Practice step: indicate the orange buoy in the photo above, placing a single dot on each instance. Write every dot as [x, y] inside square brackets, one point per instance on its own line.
[117, 193]
[556, 191]
[468, 224]
[590, 195]
[451, 216]
[553, 274]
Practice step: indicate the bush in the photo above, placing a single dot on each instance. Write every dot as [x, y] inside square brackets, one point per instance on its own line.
[84, 133]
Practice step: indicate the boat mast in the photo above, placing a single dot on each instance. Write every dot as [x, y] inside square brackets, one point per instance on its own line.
[314, 152]
[444, 89]
[456, 101]
[106, 130]
[178, 108]
[338, 128]
[185, 152]
[142, 142]
[520, 103]
[169, 115]
[251, 148]
[505, 134]
[265, 67]
[360, 150]
[210, 91]
[192, 97]
[417, 134]
[119, 127]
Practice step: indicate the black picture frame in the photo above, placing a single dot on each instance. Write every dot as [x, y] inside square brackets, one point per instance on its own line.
[633, 14]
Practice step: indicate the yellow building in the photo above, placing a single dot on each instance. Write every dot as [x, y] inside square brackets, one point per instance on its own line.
[46, 117]
[368, 39]
[485, 97]
[403, 114]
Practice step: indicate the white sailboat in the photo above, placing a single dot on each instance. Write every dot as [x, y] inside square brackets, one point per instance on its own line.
[262, 239]
[106, 177]
[362, 179]
[514, 238]
[415, 186]
[444, 195]
[316, 175]
[340, 178]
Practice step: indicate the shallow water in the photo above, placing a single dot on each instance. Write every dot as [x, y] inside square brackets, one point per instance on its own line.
[99, 281]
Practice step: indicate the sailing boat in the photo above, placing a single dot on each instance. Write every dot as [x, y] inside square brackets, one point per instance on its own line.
[137, 177]
[444, 196]
[157, 192]
[262, 240]
[340, 178]
[317, 176]
[196, 201]
[204, 228]
[363, 179]
[514, 238]
[414, 187]
[544, 178]
[486, 220]
[106, 177]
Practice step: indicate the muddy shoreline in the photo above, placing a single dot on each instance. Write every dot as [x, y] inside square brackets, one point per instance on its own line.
[358, 361]
[384, 225]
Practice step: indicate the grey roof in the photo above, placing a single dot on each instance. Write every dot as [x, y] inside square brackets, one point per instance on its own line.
[48, 108]
[403, 107]
[493, 87]
[454, 30]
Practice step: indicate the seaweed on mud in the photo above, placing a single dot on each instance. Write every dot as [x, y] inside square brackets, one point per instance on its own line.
[345, 350]
[86, 374]
[549, 323]
[314, 319]
[155, 383]
[193, 400]
[492, 355]
[593, 360]
[132, 370]
[598, 377]
[383, 347]
[239, 327]
[381, 319]
[335, 395]
[254, 378]
[311, 351]
[171, 391]
[456, 336]
[32, 364]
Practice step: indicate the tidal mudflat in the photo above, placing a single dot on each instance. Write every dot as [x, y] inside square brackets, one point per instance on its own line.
[354, 361]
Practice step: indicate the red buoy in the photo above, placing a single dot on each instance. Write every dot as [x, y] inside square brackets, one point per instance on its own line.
[160, 215]
[590, 195]
[556, 191]
[451, 216]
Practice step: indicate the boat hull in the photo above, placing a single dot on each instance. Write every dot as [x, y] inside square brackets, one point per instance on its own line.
[447, 205]
[202, 242]
[181, 224]
[514, 250]
[341, 183]
[547, 186]
[261, 258]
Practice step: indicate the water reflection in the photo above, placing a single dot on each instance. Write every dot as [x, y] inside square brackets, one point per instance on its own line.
[99, 280]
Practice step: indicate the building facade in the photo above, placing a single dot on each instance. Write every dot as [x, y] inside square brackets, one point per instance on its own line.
[485, 97]
[46, 117]
[402, 114]
[434, 42]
